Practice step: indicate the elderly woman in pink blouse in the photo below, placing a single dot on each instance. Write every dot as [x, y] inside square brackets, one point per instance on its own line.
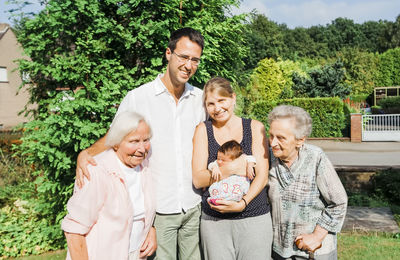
[111, 217]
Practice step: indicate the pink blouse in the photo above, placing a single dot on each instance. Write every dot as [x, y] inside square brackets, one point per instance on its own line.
[102, 209]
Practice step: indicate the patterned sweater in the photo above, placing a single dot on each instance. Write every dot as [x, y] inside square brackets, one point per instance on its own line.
[302, 196]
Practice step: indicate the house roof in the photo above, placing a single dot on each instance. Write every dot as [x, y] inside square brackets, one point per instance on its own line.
[3, 29]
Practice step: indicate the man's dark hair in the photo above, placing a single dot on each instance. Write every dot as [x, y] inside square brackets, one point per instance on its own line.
[231, 148]
[192, 34]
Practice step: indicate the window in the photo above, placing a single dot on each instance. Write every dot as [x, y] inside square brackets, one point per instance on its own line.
[3, 74]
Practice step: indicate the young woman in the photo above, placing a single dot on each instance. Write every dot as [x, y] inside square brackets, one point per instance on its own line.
[231, 229]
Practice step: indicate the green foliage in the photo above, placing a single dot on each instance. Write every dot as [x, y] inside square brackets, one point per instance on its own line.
[267, 81]
[390, 105]
[288, 68]
[328, 115]
[272, 80]
[387, 183]
[327, 81]
[25, 228]
[389, 69]
[264, 38]
[13, 169]
[361, 69]
[84, 57]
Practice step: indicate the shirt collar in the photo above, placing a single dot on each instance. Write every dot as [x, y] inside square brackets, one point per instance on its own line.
[160, 88]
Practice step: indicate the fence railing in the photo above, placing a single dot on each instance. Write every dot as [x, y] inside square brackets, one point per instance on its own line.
[381, 127]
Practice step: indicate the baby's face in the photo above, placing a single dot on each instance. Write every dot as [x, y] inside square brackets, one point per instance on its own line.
[222, 159]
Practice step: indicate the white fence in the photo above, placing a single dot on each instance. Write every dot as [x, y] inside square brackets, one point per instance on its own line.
[381, 127]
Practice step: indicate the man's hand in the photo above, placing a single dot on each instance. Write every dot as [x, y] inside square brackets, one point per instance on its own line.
[150, 244]
[227, 206]
[84, 158]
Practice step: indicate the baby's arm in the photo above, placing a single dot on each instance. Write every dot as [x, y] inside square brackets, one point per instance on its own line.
[251, 163]
[215, 171]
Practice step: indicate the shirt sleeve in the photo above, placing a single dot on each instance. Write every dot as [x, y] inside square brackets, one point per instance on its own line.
[85, 204]
[333, 193]
[250, 158]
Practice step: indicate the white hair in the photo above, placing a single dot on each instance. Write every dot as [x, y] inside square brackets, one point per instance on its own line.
[301, 118]
[124, 123]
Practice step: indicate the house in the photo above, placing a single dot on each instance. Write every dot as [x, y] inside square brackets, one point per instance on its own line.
[11, 103]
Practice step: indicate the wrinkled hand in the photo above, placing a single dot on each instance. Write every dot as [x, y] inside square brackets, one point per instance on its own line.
[250, 170]
[150, 244]
[216, 174]
[84, 159]
[308, 242]
[227, 206]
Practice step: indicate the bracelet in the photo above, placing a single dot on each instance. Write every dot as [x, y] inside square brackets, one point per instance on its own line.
[245, 203]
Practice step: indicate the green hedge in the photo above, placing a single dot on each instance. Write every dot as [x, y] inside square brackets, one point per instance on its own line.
[330, 116]
[387, 183]
[390, 105]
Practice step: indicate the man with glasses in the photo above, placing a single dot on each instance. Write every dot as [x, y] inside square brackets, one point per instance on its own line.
[173, 109]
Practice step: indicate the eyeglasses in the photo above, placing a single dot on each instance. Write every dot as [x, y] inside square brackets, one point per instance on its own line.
[185, 59]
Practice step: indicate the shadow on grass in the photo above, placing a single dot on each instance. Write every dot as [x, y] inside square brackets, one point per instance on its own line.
[56, 255]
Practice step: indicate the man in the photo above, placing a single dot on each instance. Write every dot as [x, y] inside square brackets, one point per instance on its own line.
[173, 109]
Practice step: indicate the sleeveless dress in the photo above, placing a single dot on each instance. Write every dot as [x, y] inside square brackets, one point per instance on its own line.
[259, 205]
[236, 236]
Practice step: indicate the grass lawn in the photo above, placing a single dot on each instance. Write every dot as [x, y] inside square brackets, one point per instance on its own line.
[351, 246]
[373, 246]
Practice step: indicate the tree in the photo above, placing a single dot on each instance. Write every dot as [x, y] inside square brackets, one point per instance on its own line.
[84, 57]
[326, 81]
[389, 68]
[361, 69]
[264, 38]
[267, 82]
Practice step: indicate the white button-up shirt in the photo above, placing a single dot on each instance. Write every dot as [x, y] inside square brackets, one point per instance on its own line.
[173, 126]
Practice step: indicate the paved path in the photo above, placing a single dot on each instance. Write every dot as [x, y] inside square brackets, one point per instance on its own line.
[344, 153]
[370, 219]
[359, 156]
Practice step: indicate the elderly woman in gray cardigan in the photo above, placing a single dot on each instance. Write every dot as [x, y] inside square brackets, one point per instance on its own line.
[307, 198]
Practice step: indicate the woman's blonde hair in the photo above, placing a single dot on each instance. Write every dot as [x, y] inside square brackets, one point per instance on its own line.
[219, 84]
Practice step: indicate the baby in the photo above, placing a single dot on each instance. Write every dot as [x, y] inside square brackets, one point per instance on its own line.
[236, 185]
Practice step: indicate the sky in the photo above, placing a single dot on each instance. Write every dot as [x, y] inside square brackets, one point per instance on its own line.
[304, 13]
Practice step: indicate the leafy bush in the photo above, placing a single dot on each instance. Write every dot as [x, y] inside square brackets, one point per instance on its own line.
[328, 114]
[25, 228]
[267, 81]
[83, 58]
[327, 81]
[390, 105]
[387, 183]
[376, 110]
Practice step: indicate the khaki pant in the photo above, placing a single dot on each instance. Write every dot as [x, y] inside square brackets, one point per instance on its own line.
[178, 235]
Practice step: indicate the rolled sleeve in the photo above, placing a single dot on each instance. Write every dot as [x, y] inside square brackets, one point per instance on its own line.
[333, 193]
[84, 205]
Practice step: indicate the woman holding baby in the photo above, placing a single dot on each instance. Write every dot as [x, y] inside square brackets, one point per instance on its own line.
[231, 229]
